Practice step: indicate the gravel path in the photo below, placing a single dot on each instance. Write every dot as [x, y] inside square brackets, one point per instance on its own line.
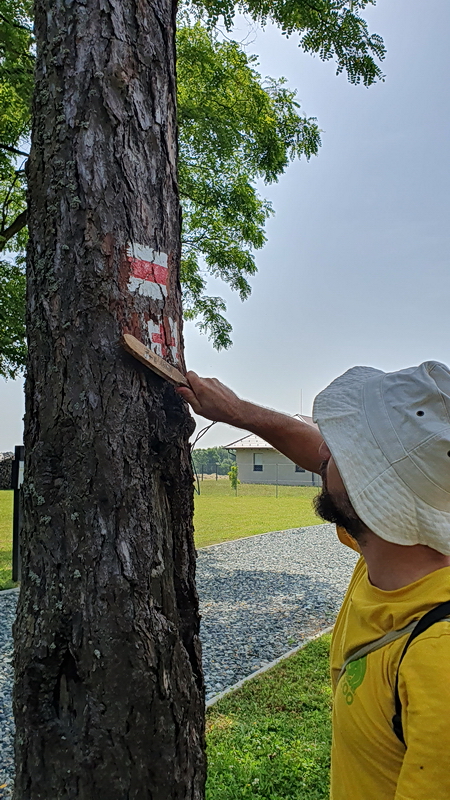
[7, 613]
[262, 596]
[259, 597]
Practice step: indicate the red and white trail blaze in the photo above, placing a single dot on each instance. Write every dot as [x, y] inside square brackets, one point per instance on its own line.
[161, 343]
[148, 277]
[148, 271]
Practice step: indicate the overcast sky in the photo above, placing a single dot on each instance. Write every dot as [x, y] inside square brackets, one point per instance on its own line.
[356, 267]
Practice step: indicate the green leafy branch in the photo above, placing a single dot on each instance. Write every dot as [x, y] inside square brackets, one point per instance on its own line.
[236, 129]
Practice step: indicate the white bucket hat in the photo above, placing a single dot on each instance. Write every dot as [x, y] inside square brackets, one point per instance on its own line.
[389, 434]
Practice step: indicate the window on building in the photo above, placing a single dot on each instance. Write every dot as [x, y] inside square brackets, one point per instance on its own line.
[257, 462]
[299, 469]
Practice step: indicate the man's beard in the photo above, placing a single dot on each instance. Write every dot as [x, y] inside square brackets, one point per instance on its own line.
[338, 509]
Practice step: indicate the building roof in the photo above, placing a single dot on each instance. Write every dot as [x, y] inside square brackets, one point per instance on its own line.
[253, 442]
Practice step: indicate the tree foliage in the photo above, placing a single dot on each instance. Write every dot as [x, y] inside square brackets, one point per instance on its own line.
[16, 82]
[16, 73]
[327, 28]
[12, 319]
[207, 459]
[235, 129]
[233, 476]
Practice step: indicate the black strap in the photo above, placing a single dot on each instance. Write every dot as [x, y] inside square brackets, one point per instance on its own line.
[435, 615]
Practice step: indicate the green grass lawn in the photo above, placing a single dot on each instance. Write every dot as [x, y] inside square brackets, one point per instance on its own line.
[220, 515]
[271, 739]
[6, 510]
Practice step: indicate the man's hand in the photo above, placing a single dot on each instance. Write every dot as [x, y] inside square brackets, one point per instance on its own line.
[296, 439]
[211, 399]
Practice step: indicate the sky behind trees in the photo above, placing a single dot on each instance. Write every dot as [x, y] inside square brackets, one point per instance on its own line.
[356, 268]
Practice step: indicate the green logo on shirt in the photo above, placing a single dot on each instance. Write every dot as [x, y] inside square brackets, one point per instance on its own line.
[354, 676]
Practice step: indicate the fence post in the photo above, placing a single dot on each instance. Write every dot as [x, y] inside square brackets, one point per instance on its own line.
[276, 491]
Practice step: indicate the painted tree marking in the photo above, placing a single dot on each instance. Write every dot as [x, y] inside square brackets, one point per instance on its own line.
[149, 271]
[149, 274]
[160, 337]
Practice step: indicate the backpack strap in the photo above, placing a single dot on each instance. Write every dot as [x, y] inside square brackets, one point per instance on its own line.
[376, 644]
[440, 612]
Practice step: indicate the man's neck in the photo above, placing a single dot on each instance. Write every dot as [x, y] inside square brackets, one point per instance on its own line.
[392, 566]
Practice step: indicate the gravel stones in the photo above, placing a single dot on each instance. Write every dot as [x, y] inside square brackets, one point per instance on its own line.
[8, 602]
[264, 595]
[259, 598]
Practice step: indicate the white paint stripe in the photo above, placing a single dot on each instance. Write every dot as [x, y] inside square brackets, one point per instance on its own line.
[147, 288]
[144, 253]
[266, 667]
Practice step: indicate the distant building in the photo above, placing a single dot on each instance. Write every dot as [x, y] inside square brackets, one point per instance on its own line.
[259, 462]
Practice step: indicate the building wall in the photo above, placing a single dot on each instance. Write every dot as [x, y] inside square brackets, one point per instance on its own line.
[285, 471]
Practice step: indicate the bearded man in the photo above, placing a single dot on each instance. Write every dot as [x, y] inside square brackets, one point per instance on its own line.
[383, 452]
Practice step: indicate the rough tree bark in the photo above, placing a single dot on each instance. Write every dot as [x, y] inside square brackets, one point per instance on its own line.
[109, 690]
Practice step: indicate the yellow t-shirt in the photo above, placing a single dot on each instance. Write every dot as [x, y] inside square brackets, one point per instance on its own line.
[368, 761]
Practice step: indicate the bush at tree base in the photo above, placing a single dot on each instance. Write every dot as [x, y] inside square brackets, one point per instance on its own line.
[6, 462]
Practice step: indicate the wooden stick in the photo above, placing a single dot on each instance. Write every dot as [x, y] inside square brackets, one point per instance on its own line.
[151, 360]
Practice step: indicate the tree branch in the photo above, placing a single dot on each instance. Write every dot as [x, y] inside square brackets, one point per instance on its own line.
[12, 229]
[15, 24]
[13, 150]
[6, 201]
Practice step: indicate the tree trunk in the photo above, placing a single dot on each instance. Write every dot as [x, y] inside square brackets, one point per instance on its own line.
[109, 694]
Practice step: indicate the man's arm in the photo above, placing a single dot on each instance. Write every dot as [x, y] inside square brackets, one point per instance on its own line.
[295, 439]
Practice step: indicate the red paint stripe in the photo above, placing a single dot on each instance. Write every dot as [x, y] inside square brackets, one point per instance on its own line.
[147, 271]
